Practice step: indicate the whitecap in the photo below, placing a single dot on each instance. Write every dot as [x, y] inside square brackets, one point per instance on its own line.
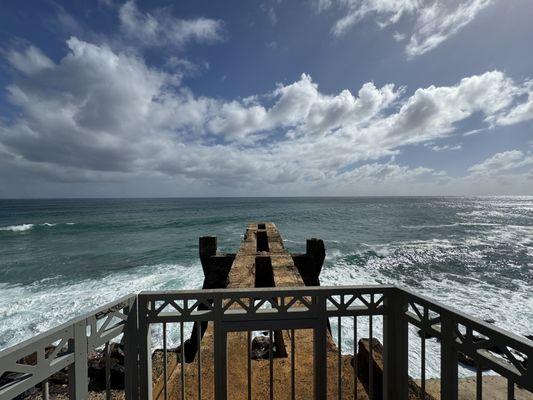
[17, 228]
[510, 305]
[429, 226]
[26, 311]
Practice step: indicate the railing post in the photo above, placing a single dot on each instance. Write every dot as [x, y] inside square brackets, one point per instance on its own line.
[320, 353]
[131, 352]
[78, 380]
[395, 346]
[220, 351]
[145, 351]
[448, 359]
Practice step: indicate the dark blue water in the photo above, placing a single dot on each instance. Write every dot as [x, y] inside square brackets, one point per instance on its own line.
[61, 257]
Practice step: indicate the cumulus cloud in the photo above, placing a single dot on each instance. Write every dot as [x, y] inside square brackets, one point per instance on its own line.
[432, 22]
[301, 107]
[522, 112]
[433, 112]
[98, 114]
[161, 29]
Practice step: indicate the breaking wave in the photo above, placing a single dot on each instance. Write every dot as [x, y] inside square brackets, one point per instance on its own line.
[17, 228]
[431, 269]
[26, 311]
[27, 227]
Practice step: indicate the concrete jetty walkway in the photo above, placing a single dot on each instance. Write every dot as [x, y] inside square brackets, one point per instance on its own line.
[262, 261]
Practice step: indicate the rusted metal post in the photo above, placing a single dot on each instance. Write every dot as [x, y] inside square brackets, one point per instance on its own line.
[309, 265]
[207, 247]
[316, 253]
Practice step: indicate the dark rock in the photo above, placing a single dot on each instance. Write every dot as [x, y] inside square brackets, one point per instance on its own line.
[10, 378]
[260, 347]
[96, 368]
[490, 320]
[363, 356]
[59, 378]
[190, 351]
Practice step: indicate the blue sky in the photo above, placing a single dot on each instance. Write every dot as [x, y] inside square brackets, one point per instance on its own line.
[273, 97]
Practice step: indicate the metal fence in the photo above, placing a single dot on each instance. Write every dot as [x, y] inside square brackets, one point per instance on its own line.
[212, 317]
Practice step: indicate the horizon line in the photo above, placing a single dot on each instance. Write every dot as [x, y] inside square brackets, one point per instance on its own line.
[259, 197]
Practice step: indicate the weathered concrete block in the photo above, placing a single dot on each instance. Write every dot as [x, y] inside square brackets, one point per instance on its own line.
[363, 364]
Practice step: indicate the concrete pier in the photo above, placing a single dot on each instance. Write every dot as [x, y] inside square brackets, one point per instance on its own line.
[262, 261]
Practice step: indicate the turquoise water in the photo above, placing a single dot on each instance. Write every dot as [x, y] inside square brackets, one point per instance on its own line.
[61, 257]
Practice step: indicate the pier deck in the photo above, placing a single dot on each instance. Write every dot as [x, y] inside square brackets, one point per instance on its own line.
[263, 261]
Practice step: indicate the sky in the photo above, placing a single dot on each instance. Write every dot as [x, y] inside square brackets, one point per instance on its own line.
[116, 98]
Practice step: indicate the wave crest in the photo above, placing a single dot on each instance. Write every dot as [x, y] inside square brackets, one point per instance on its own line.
[17, 228]
[27, 227]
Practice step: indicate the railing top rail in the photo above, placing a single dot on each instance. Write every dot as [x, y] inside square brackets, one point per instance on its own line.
[470, 321]
[282, 291]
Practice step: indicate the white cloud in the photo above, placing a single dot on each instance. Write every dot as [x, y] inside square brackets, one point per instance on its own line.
[391, 173]
[270, 13]
[437, 22]
[446, 147]
[29, 61]
[399, 37]
[433, 112]
[161, 29]
[432, 22]
[502, 162]
[103, 115]
[522, 112]
[301, 107]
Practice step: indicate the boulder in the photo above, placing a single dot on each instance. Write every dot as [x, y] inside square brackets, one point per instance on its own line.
[96, 368]
[260, 347]
[190, 351]
[363, 356]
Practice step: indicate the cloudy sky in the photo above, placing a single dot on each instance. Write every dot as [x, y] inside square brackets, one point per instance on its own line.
[267, 97]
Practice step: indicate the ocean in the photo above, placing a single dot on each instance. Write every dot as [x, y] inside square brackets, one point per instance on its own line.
[59, 258]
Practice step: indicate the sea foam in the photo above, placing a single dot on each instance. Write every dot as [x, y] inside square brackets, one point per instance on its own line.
[26, 311]
[27, 227]
[17, 228]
